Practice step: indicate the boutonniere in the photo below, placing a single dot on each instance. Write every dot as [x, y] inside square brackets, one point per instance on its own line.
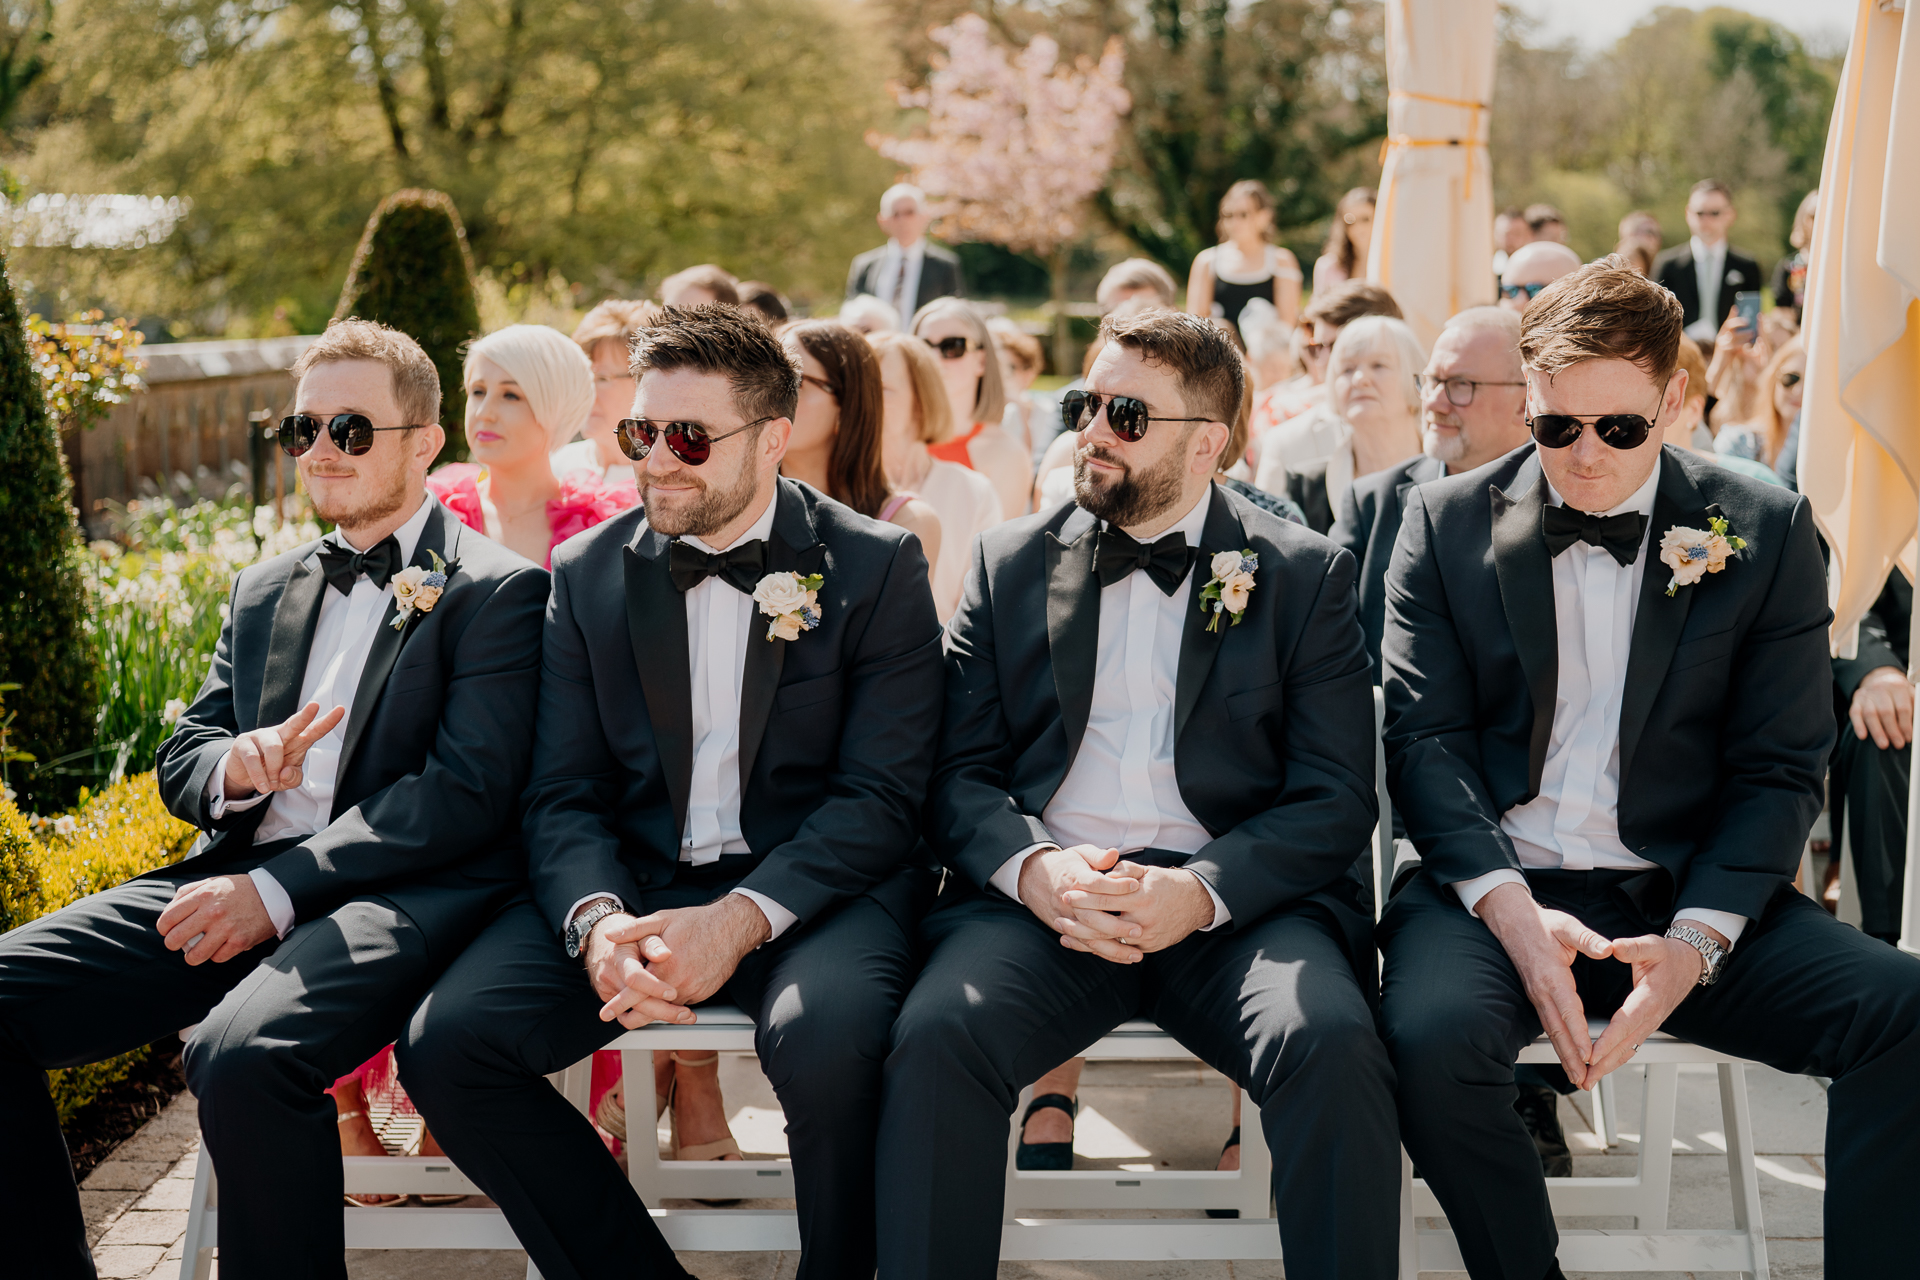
[1227, 590]
[793, 602]
[1692, 554]
[417, 590]
[1736, 277]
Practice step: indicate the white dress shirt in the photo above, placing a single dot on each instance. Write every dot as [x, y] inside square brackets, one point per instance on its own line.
[1709, 263]
[898, 283]
[342, 639]
[1121, 792]
[721, 622]
[1574, 823]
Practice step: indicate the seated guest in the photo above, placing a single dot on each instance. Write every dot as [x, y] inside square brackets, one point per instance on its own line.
[1689, 430]
[1373, 388]
[1022, 361]
[604, 334]
[1532, 269]
[1867, 789]
[977, 398]
[736, 721]
[1349, 240]
[867, 314]
[527, 387]
[909, 270]
[1151, 789]
[1545, 223]
[1311, 430]
[699, 286]
[359, 783]
[1135, 280]
[1608, 737]
[1777, 397]
[763, 300]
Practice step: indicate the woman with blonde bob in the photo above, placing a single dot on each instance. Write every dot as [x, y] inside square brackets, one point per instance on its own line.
[969, 364]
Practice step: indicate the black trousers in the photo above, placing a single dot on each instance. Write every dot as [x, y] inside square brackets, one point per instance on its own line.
[277, 1026]
[1869, 790]
[1801, 992]
[1273, 1004]
[514, 1009]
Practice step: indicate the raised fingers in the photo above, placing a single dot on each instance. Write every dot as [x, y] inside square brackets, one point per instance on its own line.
[316, 728]
[247, 752]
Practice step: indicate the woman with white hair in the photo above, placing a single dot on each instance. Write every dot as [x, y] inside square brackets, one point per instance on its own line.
[528, 391]
[1372, 385]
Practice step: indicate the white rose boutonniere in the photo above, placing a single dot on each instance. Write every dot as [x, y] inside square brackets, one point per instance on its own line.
[417, 590]
[1227, 590]
[1692, 554]
[793, 602]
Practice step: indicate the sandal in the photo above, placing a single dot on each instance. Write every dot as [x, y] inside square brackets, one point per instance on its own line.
[1233, 1140]
[611, 1114]
[394, 1203]
[719, 1149]
[1050, 1156]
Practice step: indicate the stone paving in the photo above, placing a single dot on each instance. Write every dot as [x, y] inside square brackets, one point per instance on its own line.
[1133, 1115]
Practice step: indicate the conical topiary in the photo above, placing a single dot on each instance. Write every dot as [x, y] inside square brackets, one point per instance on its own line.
[413, 272]
[43, 639]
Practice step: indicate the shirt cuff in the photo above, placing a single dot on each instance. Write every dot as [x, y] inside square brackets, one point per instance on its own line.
[778, 917]
[1220, 913]
[1725, 922]
[218, 804]
[1471, 891]
[274, 898]
[574, 910]
[1007, 878]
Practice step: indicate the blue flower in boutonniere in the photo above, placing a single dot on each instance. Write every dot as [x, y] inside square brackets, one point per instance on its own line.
[417, 590]
[1692, 554]
[793, 602]
[1227, 590]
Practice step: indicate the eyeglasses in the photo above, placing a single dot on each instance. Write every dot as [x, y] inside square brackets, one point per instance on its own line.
[352, 433]
[1515, 290]
[1126, 416]
[690, 442]
[952, 348]
[1620, 430]
[1459, 390]
[1314, 350]
[1790, 379]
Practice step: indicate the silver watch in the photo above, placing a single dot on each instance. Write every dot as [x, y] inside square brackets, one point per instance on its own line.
[1710, 951]
[582, 925]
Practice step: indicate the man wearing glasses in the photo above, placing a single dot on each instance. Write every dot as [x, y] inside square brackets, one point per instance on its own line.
[1608, 724]
[740, 698]
[1532, 268]
[1706, 272]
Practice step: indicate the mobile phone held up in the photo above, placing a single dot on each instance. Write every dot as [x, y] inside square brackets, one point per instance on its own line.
[1746, 304]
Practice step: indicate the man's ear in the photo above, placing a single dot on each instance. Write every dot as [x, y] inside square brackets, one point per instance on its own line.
[774, 440]
[428, 440]
[1210, 442]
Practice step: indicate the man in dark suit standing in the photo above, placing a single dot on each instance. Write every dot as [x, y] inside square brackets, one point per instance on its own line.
[1608, 737]
[1705, 272]
[355, 755]
[909, 270]
[739, 701]
[1153, 782]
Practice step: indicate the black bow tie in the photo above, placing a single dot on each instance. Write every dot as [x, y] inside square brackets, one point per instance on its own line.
[343, 565]
[740, 568]
[1620, 534]
[1117, 554]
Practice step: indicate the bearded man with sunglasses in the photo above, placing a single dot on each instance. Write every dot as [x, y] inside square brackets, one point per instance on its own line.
[1607, 728]
[1150, 806]
[737, 718]
[355, 757]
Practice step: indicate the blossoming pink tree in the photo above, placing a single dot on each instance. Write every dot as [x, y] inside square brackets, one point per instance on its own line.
[1015, 144]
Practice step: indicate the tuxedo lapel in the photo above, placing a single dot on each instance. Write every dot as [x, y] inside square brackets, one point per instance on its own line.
[793, 548]
[1525, 572]
[1198, 646]
[657, 630]
[294, 621]
[1659, 618]
[1073, 624]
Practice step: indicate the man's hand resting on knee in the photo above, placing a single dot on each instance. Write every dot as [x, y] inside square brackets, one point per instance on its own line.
[1050, 875]
[215, 919]
[652, 969]
[1542, 943]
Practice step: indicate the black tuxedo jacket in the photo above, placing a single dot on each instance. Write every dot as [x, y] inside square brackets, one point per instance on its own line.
[1726, 721]
[1884, 637]
[1273, 717]
[939, 275]
[437, 741]
[836, 727]
[1368, 525]
[1674, 269]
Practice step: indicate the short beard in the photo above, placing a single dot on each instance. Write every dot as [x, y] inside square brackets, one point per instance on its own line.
[372, 509]
[716, 509]
[1131, 499]
[1442, 449]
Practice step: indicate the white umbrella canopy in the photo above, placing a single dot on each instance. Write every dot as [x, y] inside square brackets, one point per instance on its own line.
[1433, 227]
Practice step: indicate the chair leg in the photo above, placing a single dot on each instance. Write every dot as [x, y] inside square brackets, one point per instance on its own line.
[643, 1143]
[1606, 1111]
[533, 1272]
[1013, 1149]
[1745, 1186]
[1656, 1145]
[1409, 1230]
[1254, 1195]
[196, 1255]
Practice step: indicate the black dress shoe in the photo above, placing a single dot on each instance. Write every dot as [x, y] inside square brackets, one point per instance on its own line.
[1539, 1109]
[1036, 1156]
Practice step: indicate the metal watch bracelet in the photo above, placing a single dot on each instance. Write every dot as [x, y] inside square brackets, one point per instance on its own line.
[1712, 953]
[582, 925]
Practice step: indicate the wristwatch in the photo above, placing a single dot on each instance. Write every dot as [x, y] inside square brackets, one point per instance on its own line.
[582, 925]
[1710, 951]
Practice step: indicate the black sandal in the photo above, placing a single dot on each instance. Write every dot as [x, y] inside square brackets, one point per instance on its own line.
[1035, 1156]
[1233, 1140]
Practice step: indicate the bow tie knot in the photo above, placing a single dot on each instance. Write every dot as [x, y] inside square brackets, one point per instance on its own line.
[1619, 535]
[739, 567]
[343, 565]
[1167, 560]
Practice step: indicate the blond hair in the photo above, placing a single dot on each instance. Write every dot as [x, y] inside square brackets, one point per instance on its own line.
[416, 383]
[923, 374]
[554, 375]
[615, 320]
[990, 393]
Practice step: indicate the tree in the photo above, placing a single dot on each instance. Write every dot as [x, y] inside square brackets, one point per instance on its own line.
[43, 639]
[412, 272]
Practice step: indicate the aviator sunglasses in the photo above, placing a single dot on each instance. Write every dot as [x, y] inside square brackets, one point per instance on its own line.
[1126, 417]
[951, 348]
[1532, 291]
[688, 441]
[1620, 430]
[352, 433]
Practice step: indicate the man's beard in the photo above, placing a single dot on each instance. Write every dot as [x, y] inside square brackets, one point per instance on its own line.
[715, 509]
[372, 508]
[1441, 448]
[1129, 499]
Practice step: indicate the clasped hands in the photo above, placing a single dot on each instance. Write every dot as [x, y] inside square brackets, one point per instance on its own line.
[1116, 910]
[654, 968]
[1543, 942]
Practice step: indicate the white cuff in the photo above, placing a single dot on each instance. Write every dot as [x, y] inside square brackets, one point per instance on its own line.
[279, 906]
[1007, 878]
[1725, 922]
[220, 806]
[574, 910]
[1471, 891]
[1220, 913]
[778, 917]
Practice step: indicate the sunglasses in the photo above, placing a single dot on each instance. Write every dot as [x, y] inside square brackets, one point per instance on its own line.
[1314, 350]
[952, 348]
[1126, 417]
[1790, 379]
[1515, 290]
[1459, 390]
[688, 441]
[352, 433]
[1620, 430]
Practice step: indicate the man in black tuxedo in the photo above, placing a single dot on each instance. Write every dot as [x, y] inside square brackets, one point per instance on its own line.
[355, 754]
[1148, 808]
[909, 270]
[1609, 755]
[1705, 272]
[725, 804]
[1868, 789]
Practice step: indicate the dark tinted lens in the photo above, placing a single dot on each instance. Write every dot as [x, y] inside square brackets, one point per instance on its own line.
[1073, 410]
[1623, 430]
[1555, 430]
[352, 433]
[688, 443]
[1789, 379]
[950, 348]
[297, 434]
[1127, 417]
[635, 437]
